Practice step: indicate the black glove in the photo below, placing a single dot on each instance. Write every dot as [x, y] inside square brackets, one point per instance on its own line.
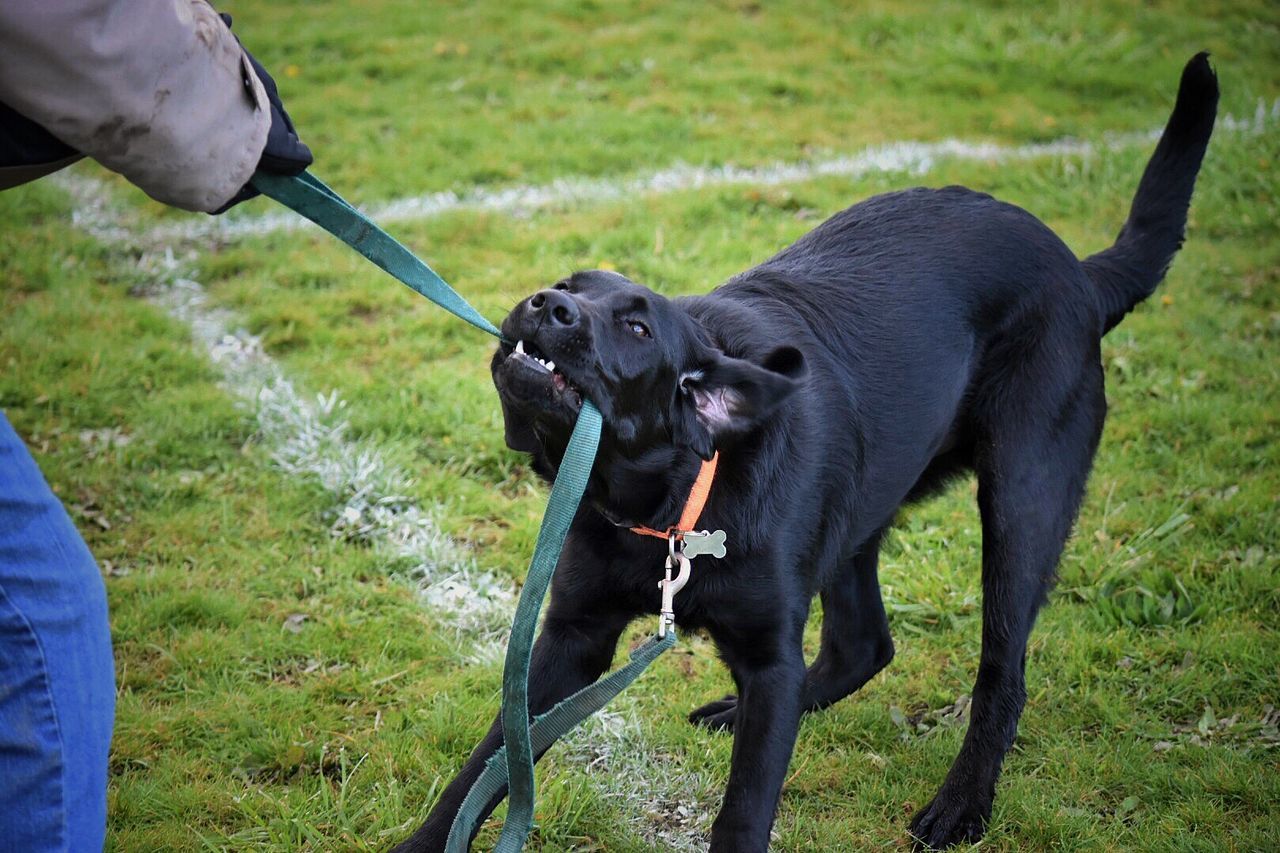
[284, 153]
[25, 143]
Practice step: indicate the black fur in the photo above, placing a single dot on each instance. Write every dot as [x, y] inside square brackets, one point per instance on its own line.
[910, 338]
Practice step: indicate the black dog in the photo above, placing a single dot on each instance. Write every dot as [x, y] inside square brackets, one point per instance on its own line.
[914, 336]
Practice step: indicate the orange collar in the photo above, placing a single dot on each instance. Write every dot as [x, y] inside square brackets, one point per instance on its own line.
[693, 507]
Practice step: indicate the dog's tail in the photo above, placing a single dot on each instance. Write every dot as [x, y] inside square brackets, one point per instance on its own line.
[1129, 271]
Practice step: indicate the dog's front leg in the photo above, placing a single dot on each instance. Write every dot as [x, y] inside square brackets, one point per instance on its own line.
[570, 653]
[770, 688]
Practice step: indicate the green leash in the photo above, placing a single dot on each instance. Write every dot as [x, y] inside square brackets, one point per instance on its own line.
[547, 729]
[307, 195]
[512, 765]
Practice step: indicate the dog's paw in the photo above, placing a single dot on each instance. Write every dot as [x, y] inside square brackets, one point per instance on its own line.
[716, 715]
[947, 820]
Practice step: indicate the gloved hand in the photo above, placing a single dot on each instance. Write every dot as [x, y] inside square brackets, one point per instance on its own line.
[284, 153]
[24, 143]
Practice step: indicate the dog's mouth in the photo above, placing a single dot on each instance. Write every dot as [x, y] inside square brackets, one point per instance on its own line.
[527, 377]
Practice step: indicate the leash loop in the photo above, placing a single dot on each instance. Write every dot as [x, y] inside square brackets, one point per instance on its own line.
[571, 482]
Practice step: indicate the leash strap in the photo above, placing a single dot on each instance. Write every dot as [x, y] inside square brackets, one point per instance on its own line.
[547, 729]
[571, 482]
[308, 196]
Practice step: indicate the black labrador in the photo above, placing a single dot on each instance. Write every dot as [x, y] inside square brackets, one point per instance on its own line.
[908, 339]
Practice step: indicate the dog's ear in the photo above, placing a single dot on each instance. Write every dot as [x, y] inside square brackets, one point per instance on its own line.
[727, 397]
[518, 431]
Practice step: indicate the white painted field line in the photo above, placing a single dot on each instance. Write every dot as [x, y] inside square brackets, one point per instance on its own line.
[306, 435]
[667, 805]
[908, 157]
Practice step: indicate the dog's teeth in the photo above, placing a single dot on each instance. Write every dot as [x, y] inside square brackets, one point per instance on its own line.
[520, 347]
[550, 365]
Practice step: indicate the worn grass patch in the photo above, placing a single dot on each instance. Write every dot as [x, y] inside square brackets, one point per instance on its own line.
[282, 688]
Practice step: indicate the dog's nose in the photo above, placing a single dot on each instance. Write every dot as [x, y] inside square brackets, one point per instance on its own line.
[557, 305]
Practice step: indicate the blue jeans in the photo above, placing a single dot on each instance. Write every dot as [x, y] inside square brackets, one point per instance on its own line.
[57, 678]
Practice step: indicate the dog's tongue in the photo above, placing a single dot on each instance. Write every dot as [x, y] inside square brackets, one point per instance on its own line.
[559, 380]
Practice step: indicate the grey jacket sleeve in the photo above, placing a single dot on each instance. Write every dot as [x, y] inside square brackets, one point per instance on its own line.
[157, 90]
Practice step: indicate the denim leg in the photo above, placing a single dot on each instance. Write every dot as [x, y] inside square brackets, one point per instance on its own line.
[57, 678]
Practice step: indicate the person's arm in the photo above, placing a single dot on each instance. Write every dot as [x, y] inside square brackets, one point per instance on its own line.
[157, 90]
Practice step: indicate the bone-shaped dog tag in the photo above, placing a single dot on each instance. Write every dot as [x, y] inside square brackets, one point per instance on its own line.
[697, 544]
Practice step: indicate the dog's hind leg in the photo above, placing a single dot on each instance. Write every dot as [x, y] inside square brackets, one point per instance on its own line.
[855, 632]
[855, 640]
[1032, 463]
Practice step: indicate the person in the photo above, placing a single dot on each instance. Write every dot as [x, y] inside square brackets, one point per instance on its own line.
[162, 92]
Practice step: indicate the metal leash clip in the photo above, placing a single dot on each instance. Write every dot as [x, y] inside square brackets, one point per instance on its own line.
[670, 586]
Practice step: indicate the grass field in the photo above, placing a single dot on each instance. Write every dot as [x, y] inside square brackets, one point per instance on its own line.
[305, 591]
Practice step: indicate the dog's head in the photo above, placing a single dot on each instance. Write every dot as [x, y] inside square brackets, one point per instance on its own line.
[650, 369]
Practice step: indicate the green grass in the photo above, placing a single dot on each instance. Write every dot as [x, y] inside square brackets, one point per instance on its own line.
[1149, 673]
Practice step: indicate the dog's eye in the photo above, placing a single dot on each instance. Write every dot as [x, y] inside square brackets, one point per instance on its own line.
[561, 285]
[639, 328]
